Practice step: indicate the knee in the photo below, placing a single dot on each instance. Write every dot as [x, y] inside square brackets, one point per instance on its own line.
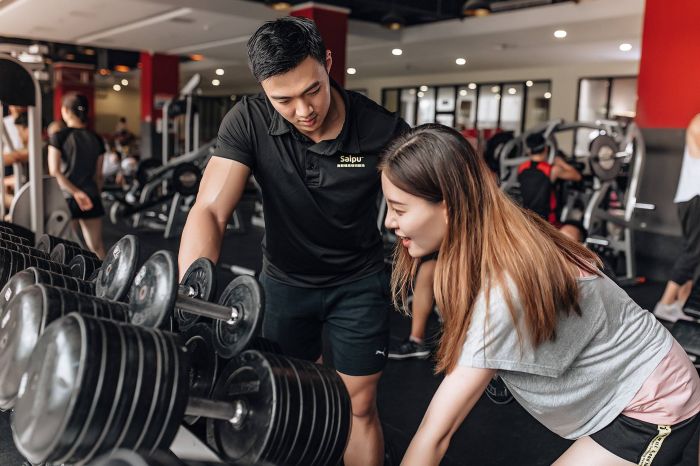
[364, 406]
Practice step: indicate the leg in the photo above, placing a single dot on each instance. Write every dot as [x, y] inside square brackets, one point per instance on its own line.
[671, 293]
[586, 451]
[92, 232]
[684, 291]
[366, 445]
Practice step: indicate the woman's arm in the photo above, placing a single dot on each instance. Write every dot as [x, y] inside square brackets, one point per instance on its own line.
[453, 400]
[55, 171]
[99, 176]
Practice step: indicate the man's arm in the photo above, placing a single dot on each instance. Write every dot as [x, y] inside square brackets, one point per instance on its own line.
[220, 191]
[693, 137]
[563, 171]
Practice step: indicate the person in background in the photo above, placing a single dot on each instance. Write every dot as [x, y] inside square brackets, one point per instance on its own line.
[75, 159]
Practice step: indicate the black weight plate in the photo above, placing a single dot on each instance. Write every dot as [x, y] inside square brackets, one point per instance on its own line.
[58, 254]
[264, 345]
[333, 412]
[296, 413]
[105, 394]
[14, 285]
[342, 420]
[243, 444]
[604, 161]
[14, 239]
[185, 179]
[144, 166]
[152, 296]
[6, 263]
[310, 421]
[203, 363]
[83, 267]
[118, 269]
[156, 355]
[44, 243]
[246, 294]
[18, 230]
[497, 392]
[20, 328]
[128, 368]
[272, 446]
[317, 442]
[180, 392]
[166, 394]
[143, 358]
[201, 277]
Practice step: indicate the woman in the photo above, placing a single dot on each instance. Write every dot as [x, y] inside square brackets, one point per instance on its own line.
[583, 358]
[75, 160]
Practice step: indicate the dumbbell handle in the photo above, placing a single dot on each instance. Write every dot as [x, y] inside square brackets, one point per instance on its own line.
[207, 309]
[234, 411]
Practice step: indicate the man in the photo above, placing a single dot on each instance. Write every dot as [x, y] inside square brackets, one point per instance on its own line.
[313, 148]
[686, 269]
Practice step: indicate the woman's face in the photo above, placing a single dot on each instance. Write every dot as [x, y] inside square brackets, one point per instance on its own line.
[420, 224]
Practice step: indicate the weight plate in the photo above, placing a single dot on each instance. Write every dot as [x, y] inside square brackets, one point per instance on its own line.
[203, 363]
[143, 169]
[163, 407]
[248, 378]
[333, 412]
[14, 285]
[272, 445]
[118, 269]
[498, 392]
[294, 409]
[18, 230]
[152, 296]
[604, 161]
[323, 398]
[58, 254]
[155, 353]
[307, 414]
[185, 179]
[245, 293]
[201, 277]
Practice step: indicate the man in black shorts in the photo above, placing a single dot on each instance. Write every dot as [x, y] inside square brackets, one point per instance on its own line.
[313, 148]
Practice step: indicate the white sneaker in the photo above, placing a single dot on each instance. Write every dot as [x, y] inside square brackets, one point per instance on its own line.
[670, 312]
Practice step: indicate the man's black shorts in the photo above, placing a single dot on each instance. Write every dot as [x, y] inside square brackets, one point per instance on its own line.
[647, 444]
[356, 316]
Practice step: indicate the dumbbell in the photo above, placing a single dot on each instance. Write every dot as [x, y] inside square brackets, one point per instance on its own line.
[106, 385]
[12, 262]
[26, 317]
[113, 280]
[12, 238]
[198, 281]
[24, 249]
[155, 294]
[47, 242]
[17, 230]
[64, 253]
[84, 267]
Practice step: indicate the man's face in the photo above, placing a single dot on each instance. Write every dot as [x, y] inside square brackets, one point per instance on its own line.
[302, 95]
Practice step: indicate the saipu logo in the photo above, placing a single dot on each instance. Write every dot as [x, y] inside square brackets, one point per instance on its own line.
[351, 161]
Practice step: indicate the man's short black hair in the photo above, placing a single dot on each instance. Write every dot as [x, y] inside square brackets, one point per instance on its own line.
[22, 120]
[279, 46]
[536, 143]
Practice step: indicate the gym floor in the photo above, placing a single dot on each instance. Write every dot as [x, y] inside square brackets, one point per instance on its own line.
[492, 435]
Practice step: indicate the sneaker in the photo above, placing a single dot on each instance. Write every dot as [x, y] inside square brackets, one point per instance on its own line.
[409, 349]
[670, 312]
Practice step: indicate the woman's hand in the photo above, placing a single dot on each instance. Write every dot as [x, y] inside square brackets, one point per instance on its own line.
[83, 200]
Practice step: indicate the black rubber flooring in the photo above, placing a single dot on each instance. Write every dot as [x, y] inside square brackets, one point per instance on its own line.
[492, 435]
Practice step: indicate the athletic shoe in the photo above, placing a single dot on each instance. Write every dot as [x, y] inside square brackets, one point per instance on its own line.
[410, 349]
[670, 312]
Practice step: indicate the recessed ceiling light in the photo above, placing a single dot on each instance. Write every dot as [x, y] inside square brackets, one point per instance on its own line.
[528, 83]
[512, 91]
[472, 86]
[498, 96]
[117, 87]
[125, 82]
[219, 71]
[461, 61]
[352, 71]
[215, 82]
[547, 95]
[424, 88]
[625, 47]
[122, 68]
[421, 94]
[396, 52]
[560, 33]
[196, 57]
[463, 92]
[495, 89]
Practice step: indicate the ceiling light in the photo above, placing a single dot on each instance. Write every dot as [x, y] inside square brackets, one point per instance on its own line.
[547, 95]
[424, 88]
[461, 61]
[196, 57]
[463, 92]
[393, 21]
[476, 8]
[125, 82]
[421, 94]
[495, 89]
[396, 52]
[625, 47]
[215, 82]
[219, 71]
[89, 52]
[529, 83]
[117, 87]
[70, 56]
[122, 68]
[103, 71]
[560, 33]
[278, 6]
[512, 91]
[472, 86]
[497, 96]
[352, 71]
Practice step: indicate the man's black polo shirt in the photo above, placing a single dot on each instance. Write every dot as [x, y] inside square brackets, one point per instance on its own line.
[320, 199]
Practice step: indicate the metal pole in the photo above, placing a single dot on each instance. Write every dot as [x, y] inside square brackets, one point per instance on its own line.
[203, 308]
[234, 412]
[164, 127]
[188, 124]
[2, 154]
[36, 176]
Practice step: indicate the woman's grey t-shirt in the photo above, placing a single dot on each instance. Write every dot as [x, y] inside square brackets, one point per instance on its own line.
[581, 381]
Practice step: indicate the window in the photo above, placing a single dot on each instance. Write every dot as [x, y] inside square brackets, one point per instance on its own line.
[537, 103]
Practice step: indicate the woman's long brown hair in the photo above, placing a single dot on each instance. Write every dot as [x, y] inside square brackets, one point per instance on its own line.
[489, 240]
